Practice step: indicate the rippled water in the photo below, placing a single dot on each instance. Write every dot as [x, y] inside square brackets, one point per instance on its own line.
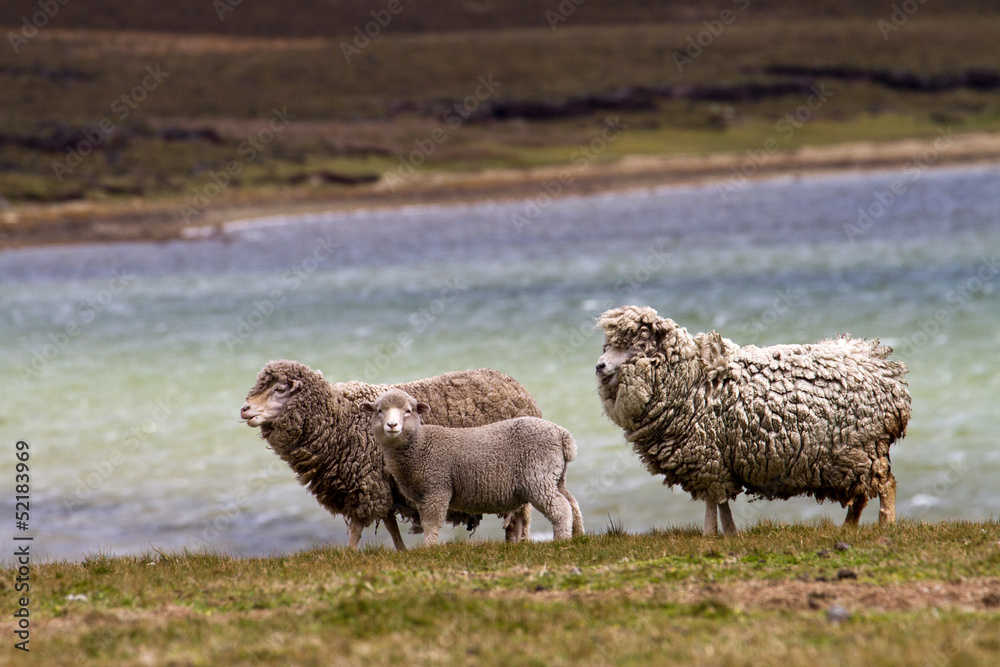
[124, 366]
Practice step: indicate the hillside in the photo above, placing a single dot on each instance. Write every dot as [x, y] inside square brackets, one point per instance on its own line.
[200, 114]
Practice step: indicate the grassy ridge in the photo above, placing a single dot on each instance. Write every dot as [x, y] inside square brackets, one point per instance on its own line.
[915, 594]
[355, 121]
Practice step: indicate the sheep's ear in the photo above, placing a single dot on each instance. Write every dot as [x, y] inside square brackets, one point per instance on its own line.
[367, 406]
[713, 357]
[423, 408]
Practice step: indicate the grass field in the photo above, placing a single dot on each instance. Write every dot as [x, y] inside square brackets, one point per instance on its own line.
[811, 595]
[83, 117]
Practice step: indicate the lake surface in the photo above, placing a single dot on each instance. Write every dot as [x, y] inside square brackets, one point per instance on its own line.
[124, 366]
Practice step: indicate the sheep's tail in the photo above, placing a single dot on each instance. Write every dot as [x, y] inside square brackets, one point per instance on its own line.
[568, 445]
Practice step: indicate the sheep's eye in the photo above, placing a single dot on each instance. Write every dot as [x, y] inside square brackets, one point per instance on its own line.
[281, 388]
[407, 413]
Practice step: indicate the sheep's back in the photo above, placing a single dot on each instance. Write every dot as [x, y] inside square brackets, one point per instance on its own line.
[472, 398]
[815, 419]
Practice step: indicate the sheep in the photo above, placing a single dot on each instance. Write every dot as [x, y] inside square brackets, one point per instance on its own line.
[776, 422]
[318, 429]
[486, 469]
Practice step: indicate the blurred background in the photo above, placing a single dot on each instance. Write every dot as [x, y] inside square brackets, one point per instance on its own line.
[386, 190]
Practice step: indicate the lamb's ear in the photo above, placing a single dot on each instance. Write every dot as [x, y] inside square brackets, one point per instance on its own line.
[367, 406]
[713, 357]
[423, 408]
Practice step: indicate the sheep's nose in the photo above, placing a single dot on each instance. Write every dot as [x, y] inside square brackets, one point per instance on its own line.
[244, 409]
[600, 366]
[392, 425]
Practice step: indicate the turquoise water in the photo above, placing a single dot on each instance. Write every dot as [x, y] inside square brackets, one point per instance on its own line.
[124, 366]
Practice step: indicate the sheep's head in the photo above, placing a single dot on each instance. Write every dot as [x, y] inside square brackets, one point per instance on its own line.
[608, 367]
[395, 415]
[648, 362]
[277, 401]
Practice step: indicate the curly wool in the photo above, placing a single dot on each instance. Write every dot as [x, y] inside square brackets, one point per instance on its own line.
[326, 439]
[717, 419]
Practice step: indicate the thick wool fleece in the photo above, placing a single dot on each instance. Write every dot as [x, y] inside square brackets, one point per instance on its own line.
[326, 439]
[776, 422]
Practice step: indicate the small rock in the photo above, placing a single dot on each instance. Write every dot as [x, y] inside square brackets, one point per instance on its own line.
[823, 553]
[576, 570]
[846, 573]
[804, 576]
[837, 614]
[841, 546]
[992, 600]
[77, 597]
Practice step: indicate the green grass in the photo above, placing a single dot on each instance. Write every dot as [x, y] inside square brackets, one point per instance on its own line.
[914, 590]
[359, 118]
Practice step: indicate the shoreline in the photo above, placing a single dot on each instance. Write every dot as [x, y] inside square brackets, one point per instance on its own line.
[143, 220]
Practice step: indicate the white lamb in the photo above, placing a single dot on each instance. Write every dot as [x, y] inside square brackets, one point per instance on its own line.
[484, 469]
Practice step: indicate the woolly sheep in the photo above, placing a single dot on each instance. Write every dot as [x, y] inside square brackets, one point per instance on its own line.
[318, 429]
[776, 422]
[487, 469]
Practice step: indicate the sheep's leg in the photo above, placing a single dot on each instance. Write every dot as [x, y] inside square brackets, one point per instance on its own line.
[711, 519]
[854, 511]
[432, 514]
[557, 509]
[574, 506]
[393, 528]
[728, 525]
[517, 525]
[887, 502]
[355, 526]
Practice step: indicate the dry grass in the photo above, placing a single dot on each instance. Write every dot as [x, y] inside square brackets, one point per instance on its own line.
[911, 591]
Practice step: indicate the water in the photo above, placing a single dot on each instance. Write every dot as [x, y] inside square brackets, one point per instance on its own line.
[124, 366]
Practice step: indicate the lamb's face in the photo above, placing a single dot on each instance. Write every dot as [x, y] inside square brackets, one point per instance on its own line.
[263, 407]
[394, 415]
[607, 370]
